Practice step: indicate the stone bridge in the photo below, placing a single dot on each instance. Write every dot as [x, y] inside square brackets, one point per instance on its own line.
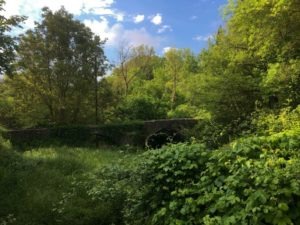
[159, 132]
[152, 133]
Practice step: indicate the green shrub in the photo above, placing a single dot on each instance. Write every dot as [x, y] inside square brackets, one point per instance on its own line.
[253, 181]
[272, 122]
[4, 144]
[214, 134]
[161, 174]
[105, 191]
[141, 107]
[250, 183]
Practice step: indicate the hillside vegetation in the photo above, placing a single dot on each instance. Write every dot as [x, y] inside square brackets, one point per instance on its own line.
[240, 166]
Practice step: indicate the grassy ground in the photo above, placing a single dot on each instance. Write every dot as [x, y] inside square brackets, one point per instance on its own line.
[43, 186]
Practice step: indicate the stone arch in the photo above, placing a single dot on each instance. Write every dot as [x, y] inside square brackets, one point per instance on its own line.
[164, 136]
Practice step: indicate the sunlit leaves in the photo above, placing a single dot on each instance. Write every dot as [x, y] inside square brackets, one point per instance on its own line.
[250, 182]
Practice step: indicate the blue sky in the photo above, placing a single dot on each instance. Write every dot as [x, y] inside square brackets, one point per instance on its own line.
[162, 24]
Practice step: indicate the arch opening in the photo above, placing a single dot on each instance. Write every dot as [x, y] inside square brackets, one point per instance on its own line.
[163, 137]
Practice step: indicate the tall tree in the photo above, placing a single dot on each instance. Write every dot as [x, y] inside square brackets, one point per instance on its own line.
[266, 35]
[7, 43]
[134, 62]
[252, 60]
[174, 65]
[61, 60]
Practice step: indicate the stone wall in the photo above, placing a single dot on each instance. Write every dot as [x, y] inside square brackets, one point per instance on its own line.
[133, 133]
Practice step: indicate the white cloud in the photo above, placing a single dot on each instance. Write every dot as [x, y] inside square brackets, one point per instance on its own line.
[10, 9]
[113, 30]
[32, 8]
[116, 33]
[157, 19]
[95, 4]
[138, 18]
[164, 28]
[104, 30]
[120, 17]
[203, 38]
[166, 49]
[141, 36]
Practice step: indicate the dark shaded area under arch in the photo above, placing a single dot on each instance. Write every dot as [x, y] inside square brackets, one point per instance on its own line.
[162, 137]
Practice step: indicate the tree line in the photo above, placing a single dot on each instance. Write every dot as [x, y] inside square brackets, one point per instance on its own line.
[54, 73]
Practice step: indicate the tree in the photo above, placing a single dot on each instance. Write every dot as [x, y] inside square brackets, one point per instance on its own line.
[20, 105]
[60, 61]
[7, 43]
[227, 89]
[266, 33]
[179, 66]
[174, 64]
[134, 62]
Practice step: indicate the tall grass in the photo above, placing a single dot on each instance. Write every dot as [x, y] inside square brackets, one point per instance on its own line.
[37, 186]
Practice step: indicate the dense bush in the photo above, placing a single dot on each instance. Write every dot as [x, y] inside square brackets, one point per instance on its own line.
[4, 144]
[252, 181]
[264, 122]
[267, 122]
[214, 134]
[161, 173]
[142, 107]
[108, 189]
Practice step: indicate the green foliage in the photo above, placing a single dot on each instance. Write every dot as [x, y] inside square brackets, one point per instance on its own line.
[213, 135]
[55, 186]
[162, 172]
[252, 181]
[59, 67]
[268, 123]
[7, 43]
[246, 83]
[4, 144]
[111, 185]
[141, 107]
[188, 111]
[160, 95]
[284, 80]
[241, 69]
[16, 107]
